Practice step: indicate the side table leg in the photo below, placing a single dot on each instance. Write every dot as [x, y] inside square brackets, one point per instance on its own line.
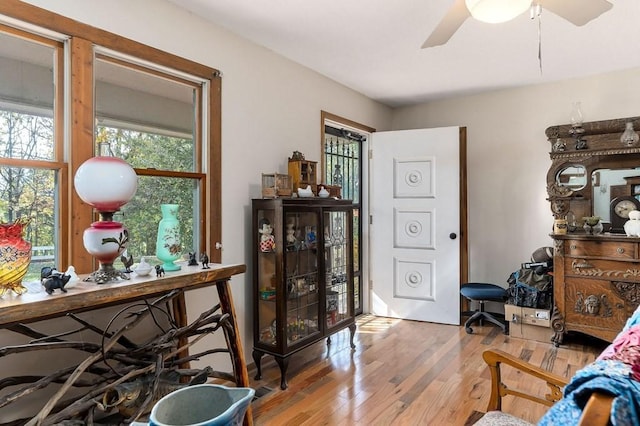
[235, 343]
[180, 315]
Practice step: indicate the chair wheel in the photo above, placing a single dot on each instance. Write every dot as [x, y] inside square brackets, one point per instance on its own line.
[469, 330]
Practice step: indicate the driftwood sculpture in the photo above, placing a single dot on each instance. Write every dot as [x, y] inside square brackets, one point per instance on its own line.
[115, 369]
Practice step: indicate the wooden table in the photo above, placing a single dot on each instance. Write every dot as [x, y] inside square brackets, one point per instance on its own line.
[86, 296]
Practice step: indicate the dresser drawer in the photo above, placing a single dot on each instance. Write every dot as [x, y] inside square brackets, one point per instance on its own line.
[605, 249]
[594, 303]
[614, 270]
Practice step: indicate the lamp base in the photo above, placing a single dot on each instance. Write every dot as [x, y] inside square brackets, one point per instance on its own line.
[106, 274]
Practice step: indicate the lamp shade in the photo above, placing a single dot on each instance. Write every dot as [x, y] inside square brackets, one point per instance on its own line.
[496, 11]
[106, 183]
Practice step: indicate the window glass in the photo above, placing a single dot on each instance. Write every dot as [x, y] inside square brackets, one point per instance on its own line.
[342, 162]
[25, 136]
[146, 150]
[147, 117]
[158, 111]
[142, 214]
[31, 193]
[28, 172]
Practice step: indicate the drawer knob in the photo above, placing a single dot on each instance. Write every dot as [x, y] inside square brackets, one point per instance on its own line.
[573, 247]
[620, 250]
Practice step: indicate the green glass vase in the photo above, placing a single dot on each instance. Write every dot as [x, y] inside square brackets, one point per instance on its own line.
[168, 243]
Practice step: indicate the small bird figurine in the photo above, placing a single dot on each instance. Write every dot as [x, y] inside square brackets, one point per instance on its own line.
[204, 259]
[71, 271]
[127, 261]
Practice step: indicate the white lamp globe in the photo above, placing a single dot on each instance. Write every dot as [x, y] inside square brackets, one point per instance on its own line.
[496, 11]
[106, 183]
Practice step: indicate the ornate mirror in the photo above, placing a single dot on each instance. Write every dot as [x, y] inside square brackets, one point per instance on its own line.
[573, 177]
[585, 178]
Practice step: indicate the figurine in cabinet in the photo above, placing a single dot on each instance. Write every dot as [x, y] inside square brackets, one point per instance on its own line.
[267, 241]
[310, 233]
[291, 233]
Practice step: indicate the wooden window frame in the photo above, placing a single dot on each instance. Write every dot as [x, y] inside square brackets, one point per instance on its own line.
[82, 38]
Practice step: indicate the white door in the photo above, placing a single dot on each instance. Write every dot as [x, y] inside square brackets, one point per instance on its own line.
[415, 224]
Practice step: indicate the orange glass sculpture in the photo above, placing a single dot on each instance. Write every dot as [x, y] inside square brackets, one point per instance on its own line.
[15, 255]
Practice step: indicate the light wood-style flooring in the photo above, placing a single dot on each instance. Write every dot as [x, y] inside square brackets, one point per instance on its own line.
[405, 373]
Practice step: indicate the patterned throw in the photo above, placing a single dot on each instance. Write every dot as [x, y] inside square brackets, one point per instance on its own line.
[616, 372]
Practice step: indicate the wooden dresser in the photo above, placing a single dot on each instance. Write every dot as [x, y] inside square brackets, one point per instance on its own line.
[596, 284]
[593, 172]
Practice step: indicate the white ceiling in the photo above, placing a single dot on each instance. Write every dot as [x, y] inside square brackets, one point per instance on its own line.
[373, 46]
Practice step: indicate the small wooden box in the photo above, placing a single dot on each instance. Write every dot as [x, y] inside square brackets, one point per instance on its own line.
[303, 173]
[276, 185]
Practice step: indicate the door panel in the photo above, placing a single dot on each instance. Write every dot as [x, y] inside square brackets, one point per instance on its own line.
[415, 208]
[414, 229]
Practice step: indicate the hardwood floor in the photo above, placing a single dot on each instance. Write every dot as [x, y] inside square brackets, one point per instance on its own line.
[405, 373]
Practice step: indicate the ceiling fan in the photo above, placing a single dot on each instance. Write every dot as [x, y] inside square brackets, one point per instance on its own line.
[578, 12]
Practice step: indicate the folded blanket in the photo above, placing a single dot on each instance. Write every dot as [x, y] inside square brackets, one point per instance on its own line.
[615, 372]
[606, 376]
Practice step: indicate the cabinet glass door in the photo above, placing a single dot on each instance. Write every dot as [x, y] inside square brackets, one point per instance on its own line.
[301, 275]
[337, 271]
[267, 276]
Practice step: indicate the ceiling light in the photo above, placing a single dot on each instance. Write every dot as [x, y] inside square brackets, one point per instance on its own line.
[496, 11]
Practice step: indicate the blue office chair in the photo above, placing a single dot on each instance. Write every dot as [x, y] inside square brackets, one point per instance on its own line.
[481, 293]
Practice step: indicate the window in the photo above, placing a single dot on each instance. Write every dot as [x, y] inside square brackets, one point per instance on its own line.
[343, 144]
[148, 117]
[31, 163]
[66, 87]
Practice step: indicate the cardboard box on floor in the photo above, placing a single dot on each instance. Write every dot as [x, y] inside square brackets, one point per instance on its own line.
[529, 323]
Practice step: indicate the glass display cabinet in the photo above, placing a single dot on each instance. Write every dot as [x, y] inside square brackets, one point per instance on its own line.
[303, 275]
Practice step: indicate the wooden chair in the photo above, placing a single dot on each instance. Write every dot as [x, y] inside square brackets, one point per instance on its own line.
[595, 413]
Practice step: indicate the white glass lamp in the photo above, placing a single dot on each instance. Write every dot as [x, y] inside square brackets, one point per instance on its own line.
[576, 114]
[496, 11]
[106, 183]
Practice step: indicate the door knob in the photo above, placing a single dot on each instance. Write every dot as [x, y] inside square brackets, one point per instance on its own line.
[453, 236]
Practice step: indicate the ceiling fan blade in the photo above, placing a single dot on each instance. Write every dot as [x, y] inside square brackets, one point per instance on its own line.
[578, 12]
[452, 20]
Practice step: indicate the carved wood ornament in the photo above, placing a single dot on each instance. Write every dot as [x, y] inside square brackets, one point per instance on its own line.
[592, 304]
[584, 268]
[629, 292]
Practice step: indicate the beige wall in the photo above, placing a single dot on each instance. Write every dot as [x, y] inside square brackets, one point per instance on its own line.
[509, 156]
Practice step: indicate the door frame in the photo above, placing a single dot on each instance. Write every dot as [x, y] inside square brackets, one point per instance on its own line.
[341, 122]
[464, 216]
